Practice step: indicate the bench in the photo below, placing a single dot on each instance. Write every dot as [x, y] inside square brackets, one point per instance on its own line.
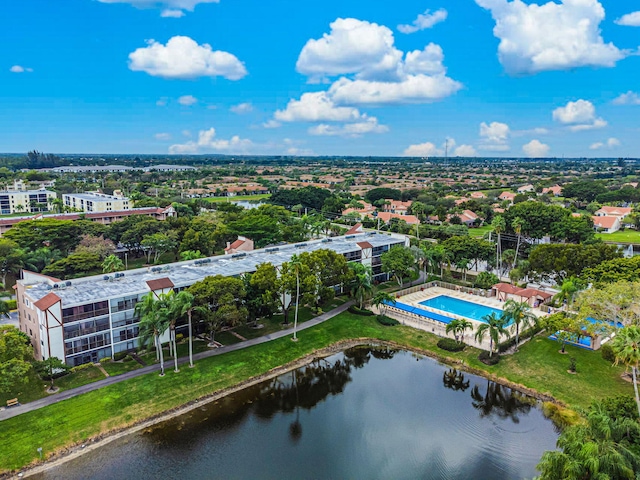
[13, 402]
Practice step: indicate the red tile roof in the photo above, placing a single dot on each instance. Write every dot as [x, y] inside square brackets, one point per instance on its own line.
[506, 288]
[364, 245]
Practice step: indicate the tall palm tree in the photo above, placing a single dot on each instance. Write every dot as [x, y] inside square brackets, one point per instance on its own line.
[361, 284]
[568, 289]
[183, 303]
[493, 325]
[420, 258]
[112, 263]
[458, 327]
[517, 223]
[153, 323]
[520, 314]
[381, 299]
[626, 347]
[463, 264]
[499, 226]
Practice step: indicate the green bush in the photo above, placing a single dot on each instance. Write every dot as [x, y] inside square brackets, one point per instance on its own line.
[119, 356]
[486, 280]
[387, 321]
[84, 366]
[105, 359]
[450, 345]
[128, 358]
[606, 351]
[179, 337]
[357, 311]
[12, 304]
[489, 360]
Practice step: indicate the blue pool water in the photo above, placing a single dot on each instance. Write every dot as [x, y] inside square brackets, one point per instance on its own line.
[463, 308]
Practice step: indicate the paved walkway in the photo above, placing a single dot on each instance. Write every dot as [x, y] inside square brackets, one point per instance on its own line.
[59, 397]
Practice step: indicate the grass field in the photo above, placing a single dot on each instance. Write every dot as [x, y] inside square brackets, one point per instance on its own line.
[480, 231]
[538, 365]
[622, 236]
[237, 198]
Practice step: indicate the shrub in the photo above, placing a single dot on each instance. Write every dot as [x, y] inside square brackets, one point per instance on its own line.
[450, 345]
[486, 280]
[128, 358]
[119, 356]
[560, 416]
[12, 304]
[105, 359]
[387, 321]
[84, 366]
[489, 360]
[607, 353]
[179, 337]
[357, 311]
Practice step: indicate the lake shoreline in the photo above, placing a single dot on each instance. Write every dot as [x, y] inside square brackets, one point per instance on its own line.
[71, 452]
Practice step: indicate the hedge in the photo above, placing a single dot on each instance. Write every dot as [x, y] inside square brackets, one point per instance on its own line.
[357, 311]
[450, 345]
[119, 356]
[387, 321]
[12, 304]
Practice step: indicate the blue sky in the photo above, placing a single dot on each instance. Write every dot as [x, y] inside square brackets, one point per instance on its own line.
[488, 77]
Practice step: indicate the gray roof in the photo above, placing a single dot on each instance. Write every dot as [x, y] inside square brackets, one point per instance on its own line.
[183, 274]
[95, 197]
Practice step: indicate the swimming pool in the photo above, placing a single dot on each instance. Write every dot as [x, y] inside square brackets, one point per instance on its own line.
[463, 308]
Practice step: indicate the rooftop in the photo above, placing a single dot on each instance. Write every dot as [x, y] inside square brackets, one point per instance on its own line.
[95, 197]
[183, 274]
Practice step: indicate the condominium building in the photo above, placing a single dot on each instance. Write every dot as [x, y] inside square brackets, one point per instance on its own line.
[95, 202]
[18, 201]
[86, 319]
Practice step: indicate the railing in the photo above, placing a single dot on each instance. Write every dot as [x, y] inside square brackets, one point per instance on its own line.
[85, 315]
[449, 286]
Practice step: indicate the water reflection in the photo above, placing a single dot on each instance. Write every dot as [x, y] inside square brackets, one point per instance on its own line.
[364, 413]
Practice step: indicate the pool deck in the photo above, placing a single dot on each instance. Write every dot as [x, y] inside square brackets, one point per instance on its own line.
[431, 319]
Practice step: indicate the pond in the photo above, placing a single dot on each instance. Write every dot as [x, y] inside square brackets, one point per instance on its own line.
[365, 413]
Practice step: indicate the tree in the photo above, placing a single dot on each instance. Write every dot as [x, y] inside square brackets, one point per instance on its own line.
[268, 286]
[112, 263]
[520, 314]
[495, 327]
[153, 324]
[560, 261]
[190, 255]
[223, 299]
[76, 264]
[486, 280]
[41, 258]
[611, 271]
[610, 305]
[604, 447]
[361, 282]
[381, 299]
[398, 262]
[95, 245]
[626, 347]
[158, 244]
[11, 259]
[568, 289]
[15, 353]
[50, 368]
[564, 327]
[583, 190]
[538, 219]
[184, 302]
[499, 226]
[458, 327]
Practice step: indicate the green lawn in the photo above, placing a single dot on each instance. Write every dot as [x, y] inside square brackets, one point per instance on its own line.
[118, 368]
[480, 231]
[622, 236]
[77, 379]
[263, 196]
[538, 365]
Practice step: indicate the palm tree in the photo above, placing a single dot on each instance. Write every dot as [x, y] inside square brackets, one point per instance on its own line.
[517, 223]
[520, 314]
[153, 323]
[499, 226]
[361, 285]
[458, 328]
[626, 347]
[495, 326]
[570, 286]
[111, 264]
[295, 263]
[420, 258]
[381, 299]
[183, 303]
[463, 264]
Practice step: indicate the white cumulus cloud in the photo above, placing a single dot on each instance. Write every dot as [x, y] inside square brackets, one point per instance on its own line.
[630, 19]
[579, 116]
[552, 36]
[629, 98]
[272, 124]
[207, 141]
[369, 125]
[465, 151]
[317, 107]
[170, 7]
[536, 149]
[183, 58]
[494, 136]
[242, 108]
[20, 69]
[162, 136]
[426, 149]
[424, 20]
[610, 143]
[187, 100]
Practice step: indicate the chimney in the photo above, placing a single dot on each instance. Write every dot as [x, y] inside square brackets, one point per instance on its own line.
[228, 245]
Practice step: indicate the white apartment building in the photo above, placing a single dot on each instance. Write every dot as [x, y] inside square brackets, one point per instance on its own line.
[95, 202]
[23, 201]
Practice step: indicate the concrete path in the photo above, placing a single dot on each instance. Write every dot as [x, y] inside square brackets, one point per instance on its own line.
[59, 397]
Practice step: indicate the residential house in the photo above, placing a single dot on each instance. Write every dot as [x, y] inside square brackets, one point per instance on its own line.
[242, 244]
[396, 206]
[613, 212]
[556, 190]
[508, 196]
[526, 189]
[607, 224]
